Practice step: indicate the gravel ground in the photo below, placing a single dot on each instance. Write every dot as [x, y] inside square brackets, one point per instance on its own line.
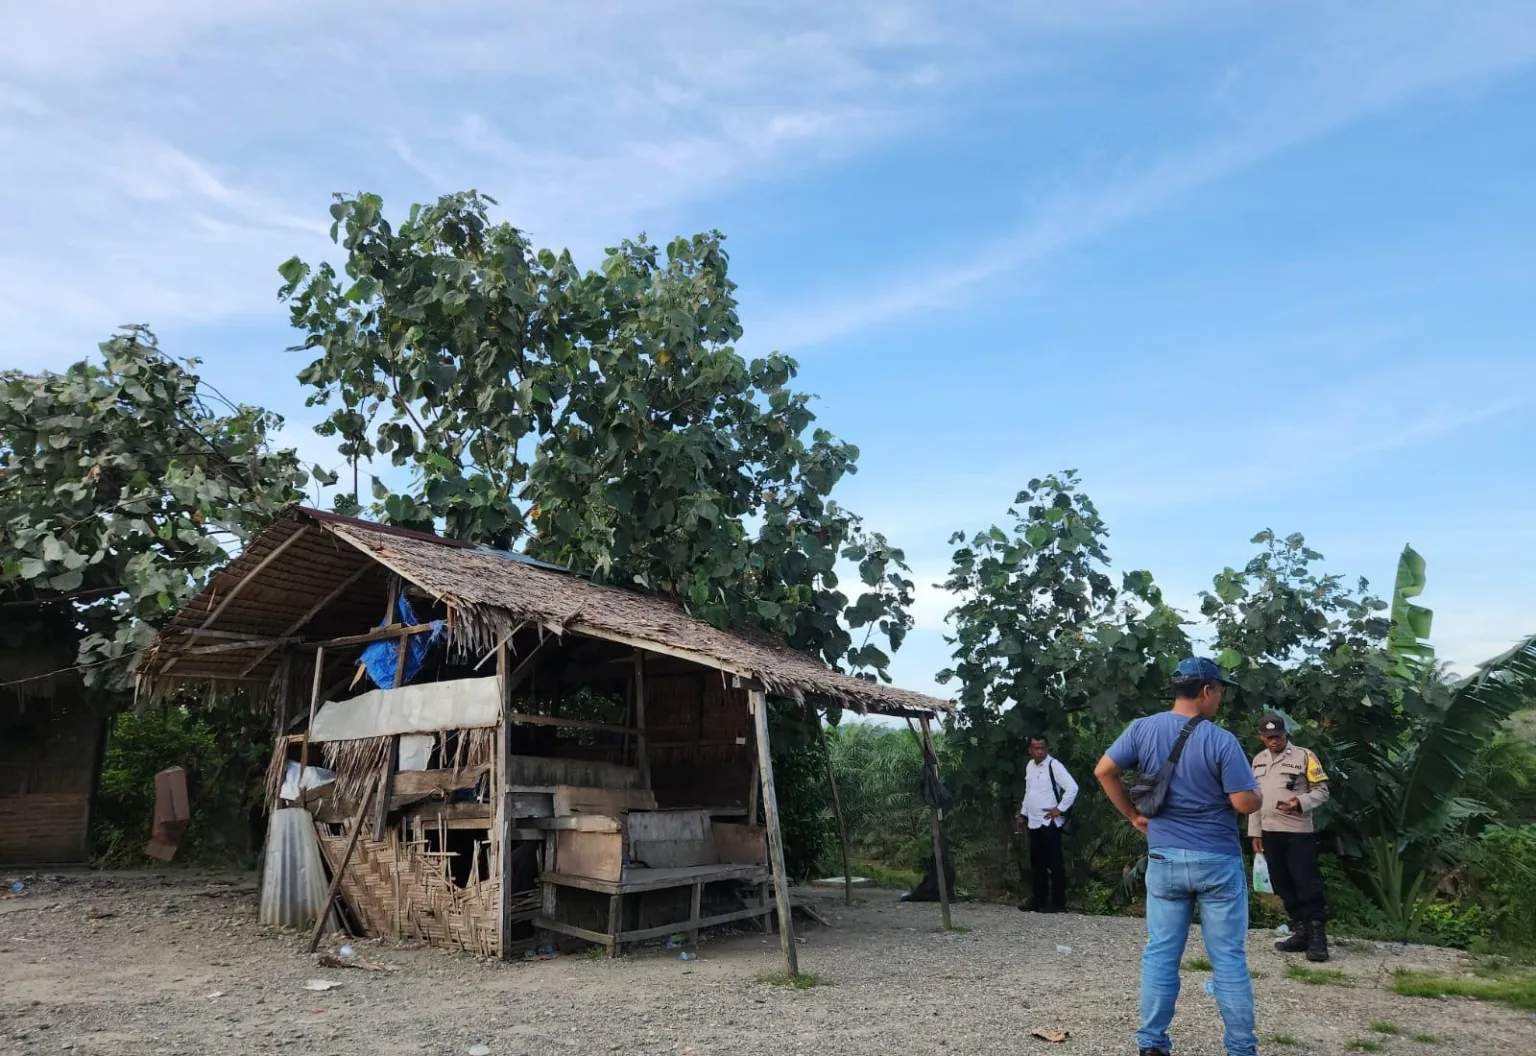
[176, 963]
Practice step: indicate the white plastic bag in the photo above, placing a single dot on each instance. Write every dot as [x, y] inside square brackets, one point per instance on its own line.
[1261, 882]
[313, 777]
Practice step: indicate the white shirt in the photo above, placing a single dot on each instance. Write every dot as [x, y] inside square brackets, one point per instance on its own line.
[1040, 797]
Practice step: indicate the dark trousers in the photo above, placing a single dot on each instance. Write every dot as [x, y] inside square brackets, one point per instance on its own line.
[1297, 874]
[1048, 867]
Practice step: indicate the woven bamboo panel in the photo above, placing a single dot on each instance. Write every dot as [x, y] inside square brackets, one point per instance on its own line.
[431, 907]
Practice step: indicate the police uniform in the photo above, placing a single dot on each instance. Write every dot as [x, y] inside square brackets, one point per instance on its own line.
[1290, 842]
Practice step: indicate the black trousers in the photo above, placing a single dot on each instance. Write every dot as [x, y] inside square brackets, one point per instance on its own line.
[1297, 875]
[1048, 867]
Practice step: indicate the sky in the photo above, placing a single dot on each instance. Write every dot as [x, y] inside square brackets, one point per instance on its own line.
[1243, 265]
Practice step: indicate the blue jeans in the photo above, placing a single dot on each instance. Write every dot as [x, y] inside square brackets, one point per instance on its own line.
[1176, 881]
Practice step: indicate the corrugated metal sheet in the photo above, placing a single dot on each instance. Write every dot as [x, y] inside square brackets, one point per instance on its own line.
[293, 882]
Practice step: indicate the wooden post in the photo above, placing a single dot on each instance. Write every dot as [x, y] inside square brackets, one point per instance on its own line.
[386, 787]
[757, 700]
[644, 760]
[615, 923]
[938, 843]
[503, 805]
[694, 915]
[837, 806]
[314, 704]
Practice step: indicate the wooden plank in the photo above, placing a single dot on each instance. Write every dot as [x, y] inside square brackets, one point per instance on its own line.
[426, 782]
[341, 868]
[740, 844]
[758, 702]
[575, 823]
[673, 854]
[482, 813]
[669, 825]
[531, 804]
[536, 771]
[548, 923]
[520, 718]
[598, 855]
[584, 799]
[615, 922]
[638, 881]
[236, 647]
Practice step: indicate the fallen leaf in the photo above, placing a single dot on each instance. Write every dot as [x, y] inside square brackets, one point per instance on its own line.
[321, 985]
[1056, 1037]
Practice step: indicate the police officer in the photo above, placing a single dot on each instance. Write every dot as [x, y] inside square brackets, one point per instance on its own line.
[1294, 785]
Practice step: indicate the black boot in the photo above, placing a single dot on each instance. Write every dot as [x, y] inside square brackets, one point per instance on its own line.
[1317, 942]
[1296, 941]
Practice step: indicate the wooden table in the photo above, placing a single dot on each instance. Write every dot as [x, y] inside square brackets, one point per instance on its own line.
[637, 880]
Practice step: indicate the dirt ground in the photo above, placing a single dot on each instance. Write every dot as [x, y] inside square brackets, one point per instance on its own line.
[177, 964]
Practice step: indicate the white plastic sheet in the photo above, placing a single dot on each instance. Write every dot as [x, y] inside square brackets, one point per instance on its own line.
[313, 777]
[464, 703]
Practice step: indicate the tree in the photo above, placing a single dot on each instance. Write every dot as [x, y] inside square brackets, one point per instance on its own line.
[602, 419]
[123, 485]
[1045, 642]
[1401, 741]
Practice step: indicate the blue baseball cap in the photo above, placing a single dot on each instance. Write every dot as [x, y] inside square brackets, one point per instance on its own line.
[1197, 669]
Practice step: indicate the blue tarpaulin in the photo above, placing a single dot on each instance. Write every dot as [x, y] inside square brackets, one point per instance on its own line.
[380, 657]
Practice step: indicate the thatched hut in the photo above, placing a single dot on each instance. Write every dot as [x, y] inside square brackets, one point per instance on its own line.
[547, 754]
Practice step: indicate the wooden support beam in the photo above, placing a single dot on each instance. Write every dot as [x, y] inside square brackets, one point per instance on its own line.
[245, 580]
[503, 795]
[268, 644]
[377, 635]
[341, 867]
[757, 700]
[313, 611]
[837, 805]
[386, 788]
[642, 756]
[314, 704]
[938, 819]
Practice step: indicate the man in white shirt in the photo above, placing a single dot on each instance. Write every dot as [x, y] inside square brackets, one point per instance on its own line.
[1049, 793]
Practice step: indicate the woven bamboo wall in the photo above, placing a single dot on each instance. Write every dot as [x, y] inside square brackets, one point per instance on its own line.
[431, 907]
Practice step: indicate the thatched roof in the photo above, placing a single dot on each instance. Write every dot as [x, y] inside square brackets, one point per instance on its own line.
[308, 573]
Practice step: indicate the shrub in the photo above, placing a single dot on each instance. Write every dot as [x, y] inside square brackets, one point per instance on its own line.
[1504, 874]
[224, 754]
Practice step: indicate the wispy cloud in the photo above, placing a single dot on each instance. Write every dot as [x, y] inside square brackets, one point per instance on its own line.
[1330, 72]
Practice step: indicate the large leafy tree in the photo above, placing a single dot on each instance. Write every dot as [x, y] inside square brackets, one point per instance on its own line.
[602, 419]
[1402, 740]
[1046, 642]
[124, 483]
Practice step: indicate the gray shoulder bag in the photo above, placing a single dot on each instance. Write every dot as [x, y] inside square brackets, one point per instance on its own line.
[1150, 793]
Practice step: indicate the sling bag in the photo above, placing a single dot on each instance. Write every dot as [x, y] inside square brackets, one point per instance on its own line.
[1151, 792]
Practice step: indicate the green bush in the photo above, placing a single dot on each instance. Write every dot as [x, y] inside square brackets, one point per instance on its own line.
[224, 755]
[1504, 874]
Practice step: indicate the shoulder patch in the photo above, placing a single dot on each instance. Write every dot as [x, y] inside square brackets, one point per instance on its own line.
[1315, 772]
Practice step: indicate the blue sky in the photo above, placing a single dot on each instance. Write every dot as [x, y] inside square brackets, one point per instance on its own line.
[1242, 264]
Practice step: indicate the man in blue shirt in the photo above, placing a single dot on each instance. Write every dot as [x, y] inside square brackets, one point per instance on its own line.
[1194, 856]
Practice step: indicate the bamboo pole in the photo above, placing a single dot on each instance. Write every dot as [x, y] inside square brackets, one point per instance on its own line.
[837, 806]
[757, 700]
[341, 867]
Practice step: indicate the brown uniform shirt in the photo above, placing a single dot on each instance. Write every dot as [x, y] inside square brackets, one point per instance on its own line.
[1294, 773]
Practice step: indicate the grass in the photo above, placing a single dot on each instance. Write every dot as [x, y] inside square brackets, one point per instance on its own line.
[1317, 976]
[885, 876]
[1283, 1039]
[1426, 1039]
[1381, 1026]
[1197, 964]
[1518, 990]
[959, 929]
[804, 981]
[1365, 1045]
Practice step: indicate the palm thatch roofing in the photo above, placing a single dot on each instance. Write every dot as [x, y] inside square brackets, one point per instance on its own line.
[314, 576]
